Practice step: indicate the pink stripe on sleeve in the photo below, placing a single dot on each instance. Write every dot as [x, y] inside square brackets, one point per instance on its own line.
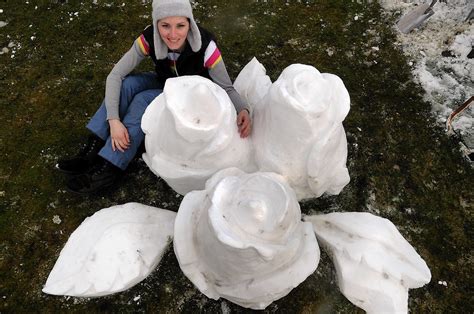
[145, 44]
[213, 58]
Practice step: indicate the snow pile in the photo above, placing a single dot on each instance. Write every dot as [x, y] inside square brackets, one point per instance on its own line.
[375, 265]
[242, 238]
[191, 133]
[439, 52]
[297, 130]
[111, 251]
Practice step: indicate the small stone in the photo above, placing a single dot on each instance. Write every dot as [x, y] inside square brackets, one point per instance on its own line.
[2, 23]
[447, 53]
[56, 219]
[136, 298]
[2, 193]
[356, 18]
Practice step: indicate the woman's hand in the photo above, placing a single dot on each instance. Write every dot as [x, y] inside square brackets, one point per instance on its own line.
[119, 135]
[244, 123]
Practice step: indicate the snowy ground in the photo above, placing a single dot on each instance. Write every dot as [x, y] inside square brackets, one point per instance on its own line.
[438, 51]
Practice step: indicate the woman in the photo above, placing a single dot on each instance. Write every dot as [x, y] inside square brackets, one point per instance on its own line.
[177, 47]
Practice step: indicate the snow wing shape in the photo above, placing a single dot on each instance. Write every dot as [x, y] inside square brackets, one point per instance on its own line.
[375, 265]
[298, 132]
[242, 238]
[252, 83]
[191, 133]
[111, 251]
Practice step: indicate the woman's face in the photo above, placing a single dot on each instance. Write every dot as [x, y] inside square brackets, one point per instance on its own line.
[174, 30]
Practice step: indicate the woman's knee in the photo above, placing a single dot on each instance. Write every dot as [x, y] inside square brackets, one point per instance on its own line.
[138, 106]
[135, 83]
[130, 83]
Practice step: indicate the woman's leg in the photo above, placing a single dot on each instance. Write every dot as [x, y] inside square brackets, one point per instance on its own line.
[131, 86]
[132, 121]
[99, 126]
[105, 173]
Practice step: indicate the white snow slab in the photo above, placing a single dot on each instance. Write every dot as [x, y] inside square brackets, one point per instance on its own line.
[298, 131]
[375, 265]
[191, 133]
[242, 238]
[111, 251]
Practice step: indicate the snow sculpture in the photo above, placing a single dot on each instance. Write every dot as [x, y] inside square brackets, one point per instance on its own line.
[111, 251]
[252, 83]
[191, 133]
[242, 238]
[375, 265]
[298, 132]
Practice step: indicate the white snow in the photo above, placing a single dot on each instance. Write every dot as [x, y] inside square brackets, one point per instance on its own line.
[191, 133]
[375, 265]
[242, 238]
[297, 128]
[111, 251]
[448, 80]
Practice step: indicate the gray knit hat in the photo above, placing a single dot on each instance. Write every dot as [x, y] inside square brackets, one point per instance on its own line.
[167, 8]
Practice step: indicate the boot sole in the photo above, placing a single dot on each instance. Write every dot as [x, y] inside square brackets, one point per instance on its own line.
[91, 192]
[71, 173]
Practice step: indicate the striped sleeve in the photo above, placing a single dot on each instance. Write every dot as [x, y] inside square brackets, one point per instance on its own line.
[212, 56]
[143, 45]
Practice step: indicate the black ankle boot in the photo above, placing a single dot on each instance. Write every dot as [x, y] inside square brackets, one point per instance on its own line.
[86, 157]
[102, 175]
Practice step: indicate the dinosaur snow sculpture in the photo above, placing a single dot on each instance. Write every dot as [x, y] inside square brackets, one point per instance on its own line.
[242, 238]
[375, 265]
[298, 132]
[191, 134]
[111, 251]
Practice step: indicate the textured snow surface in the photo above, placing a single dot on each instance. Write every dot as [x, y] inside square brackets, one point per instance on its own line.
[191, 133]
[253, 83]
[448, 80]
[375, 265]
[242, 238]
[111, 251]
[297, 129]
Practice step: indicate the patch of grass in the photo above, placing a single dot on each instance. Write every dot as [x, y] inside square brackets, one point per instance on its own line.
[402, 165]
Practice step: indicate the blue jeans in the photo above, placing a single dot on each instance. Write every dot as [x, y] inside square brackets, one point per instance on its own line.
[137, 92]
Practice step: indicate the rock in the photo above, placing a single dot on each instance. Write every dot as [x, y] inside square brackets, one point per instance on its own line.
[375, 265]
[298, 132]
[191, 133]
[242, 239]
[111, 251]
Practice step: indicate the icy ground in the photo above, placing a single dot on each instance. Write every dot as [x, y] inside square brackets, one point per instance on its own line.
[438, 51]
